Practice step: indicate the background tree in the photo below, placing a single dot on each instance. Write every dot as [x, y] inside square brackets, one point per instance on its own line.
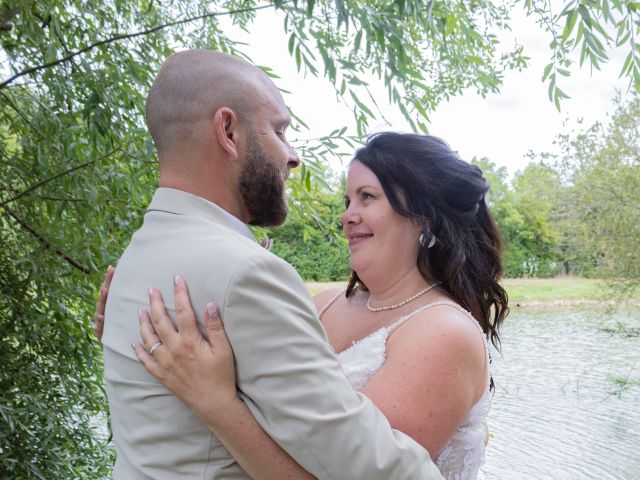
[535, 193]
[524, 223]
[602, 165]
[525, 208]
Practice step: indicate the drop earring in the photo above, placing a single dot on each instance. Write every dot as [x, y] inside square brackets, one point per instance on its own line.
[423, 240]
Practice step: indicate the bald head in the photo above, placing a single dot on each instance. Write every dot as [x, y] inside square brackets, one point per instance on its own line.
[190, 87]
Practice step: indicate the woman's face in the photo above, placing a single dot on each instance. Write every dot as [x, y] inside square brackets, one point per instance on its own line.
[378, 236]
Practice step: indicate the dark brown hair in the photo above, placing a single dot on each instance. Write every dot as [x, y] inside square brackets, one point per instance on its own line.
[428, 182]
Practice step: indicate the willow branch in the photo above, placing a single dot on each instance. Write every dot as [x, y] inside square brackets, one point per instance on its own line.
[124, 36]
[37, 185]
[44, 241]
[61, 199]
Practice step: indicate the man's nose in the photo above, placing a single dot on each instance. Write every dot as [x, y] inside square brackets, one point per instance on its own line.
[294, 159]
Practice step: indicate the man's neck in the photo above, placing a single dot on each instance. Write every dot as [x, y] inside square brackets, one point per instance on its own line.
[220, 195]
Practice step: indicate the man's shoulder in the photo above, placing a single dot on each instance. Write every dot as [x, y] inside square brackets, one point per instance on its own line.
[215, 246]
[259, 261]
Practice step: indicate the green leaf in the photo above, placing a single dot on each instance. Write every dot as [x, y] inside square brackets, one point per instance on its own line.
[583, 53]
[298, 57]
[623, 37]
[552, 86]
[357, 41]
[586, 16]
[450, 25]
[292, 39]
[547, 71]
[360, 104]
[572, 17]
[560, 94]
[628, 63]
[307, 180]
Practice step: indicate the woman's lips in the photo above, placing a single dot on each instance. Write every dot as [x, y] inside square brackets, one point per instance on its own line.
[356, 238]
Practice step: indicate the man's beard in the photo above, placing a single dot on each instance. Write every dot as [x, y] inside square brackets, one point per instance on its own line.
[262, 188]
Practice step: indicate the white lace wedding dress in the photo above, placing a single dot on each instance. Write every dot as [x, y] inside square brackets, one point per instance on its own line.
[463, 455]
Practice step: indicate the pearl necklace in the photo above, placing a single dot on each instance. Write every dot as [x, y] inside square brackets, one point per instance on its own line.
[404, 302]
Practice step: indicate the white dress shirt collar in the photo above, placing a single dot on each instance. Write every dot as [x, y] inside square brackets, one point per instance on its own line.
[238, 224]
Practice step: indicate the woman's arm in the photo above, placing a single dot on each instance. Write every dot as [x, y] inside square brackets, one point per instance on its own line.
[435, 371]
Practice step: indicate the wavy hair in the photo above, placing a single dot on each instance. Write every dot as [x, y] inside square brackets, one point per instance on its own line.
[428, 182]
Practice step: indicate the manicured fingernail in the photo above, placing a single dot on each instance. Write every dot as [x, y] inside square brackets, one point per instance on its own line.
[133, 345]
[140, 314]
[150, 290]
[177, 280]
[211, 309]
[110, 268]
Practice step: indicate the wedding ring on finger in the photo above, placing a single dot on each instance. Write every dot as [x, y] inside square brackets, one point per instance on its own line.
[153, 347]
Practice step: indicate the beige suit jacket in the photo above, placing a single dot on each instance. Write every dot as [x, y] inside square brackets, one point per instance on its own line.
[286, 371]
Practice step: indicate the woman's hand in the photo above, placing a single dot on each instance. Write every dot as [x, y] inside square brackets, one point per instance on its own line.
[102, 303]
[199, 371]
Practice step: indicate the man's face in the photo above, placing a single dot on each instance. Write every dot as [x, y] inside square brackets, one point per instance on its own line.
[269, 158]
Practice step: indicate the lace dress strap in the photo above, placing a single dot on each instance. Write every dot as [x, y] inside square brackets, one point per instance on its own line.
[330, 302]
[401, 320]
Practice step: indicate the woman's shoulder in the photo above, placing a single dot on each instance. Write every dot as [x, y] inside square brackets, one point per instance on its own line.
[445, 314]
[443, 342]
[442, 328]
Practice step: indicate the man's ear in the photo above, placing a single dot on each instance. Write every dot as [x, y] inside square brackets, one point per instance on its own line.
[225, 125]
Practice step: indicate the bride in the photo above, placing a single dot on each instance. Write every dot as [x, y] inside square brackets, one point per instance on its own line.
[411, 328]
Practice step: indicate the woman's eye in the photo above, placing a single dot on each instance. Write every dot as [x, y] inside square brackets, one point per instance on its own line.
[366, 195]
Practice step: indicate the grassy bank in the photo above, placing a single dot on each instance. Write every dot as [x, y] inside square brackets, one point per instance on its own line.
[554, 290]
[558, 291]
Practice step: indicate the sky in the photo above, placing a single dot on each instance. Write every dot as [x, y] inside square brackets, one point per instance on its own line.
[503, 127]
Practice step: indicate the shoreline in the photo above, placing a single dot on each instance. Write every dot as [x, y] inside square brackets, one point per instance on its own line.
[579, 302]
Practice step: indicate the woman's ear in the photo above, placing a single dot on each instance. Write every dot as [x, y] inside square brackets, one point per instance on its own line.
[225, 127]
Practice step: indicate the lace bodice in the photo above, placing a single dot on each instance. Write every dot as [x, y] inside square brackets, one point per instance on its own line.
[462, 456]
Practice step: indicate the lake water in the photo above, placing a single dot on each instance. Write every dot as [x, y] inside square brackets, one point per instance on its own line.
[561, 409]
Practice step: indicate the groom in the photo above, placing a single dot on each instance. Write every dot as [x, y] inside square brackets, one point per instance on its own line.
[219, 124]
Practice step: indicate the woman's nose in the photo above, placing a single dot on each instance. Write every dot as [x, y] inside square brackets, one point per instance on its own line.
[349, 216]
